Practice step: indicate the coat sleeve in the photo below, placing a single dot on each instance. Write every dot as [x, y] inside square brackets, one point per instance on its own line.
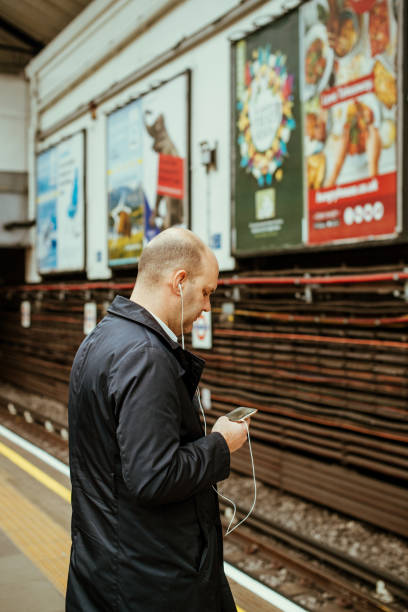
[156, 467]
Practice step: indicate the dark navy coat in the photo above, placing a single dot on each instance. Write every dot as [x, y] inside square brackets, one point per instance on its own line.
[146, 532]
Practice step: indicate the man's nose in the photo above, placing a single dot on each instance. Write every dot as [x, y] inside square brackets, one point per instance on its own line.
[207, 306]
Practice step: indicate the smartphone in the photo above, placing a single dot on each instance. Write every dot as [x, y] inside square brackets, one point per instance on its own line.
[240, 413]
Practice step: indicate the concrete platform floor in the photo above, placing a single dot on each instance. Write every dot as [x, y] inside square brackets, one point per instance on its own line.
[22, 585]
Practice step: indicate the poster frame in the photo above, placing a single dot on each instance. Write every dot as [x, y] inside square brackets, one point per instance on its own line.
[400, 236]
[65, 271]
[188, 74]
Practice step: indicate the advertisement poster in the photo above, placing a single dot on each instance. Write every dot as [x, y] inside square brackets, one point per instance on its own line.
[147, 167]
[349, 94]
[201, 334]
[60, 206]
[267, 166]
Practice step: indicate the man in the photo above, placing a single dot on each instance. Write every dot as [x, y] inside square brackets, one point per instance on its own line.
[146, 532]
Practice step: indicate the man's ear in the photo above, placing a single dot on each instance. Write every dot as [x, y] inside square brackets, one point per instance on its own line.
[179, 278]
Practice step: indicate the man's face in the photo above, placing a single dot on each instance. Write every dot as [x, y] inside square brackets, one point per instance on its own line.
[197, 291]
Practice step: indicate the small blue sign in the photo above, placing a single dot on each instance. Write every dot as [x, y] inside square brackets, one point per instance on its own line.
[215, 241]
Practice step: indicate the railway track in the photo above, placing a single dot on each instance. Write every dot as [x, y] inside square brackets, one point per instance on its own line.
[322, 572]
[315, 569]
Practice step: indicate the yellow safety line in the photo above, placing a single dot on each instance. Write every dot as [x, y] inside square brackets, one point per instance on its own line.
[36, 473]
[42, 540]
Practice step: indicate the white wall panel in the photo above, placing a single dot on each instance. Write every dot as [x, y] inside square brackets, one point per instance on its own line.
[97, 217]
[99, 38]
[13, 124]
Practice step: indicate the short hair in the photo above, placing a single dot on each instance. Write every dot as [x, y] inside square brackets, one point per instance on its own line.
[173, 248]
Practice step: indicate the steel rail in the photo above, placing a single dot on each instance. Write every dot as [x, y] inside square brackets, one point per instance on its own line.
[320, 577]
[335, 558]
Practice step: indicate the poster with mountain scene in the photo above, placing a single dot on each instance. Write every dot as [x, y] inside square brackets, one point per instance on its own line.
[147, 169]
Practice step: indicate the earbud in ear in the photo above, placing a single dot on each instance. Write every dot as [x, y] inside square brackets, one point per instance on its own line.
[181, 289]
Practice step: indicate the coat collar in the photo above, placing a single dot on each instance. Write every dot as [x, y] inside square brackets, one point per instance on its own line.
[190, 363]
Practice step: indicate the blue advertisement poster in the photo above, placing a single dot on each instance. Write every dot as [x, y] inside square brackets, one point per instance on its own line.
[147, 169]
[60, 206]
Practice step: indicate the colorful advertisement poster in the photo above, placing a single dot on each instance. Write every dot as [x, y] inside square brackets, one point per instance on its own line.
[147, 167]
[349, 91]
[267, 148]
[60, 207]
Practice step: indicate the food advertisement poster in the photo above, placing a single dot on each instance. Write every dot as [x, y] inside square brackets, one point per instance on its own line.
[60, 206]
[349, 101]
[147, 169]
[267, 151]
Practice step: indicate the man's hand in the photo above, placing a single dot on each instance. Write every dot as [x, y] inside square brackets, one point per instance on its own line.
[234, 432]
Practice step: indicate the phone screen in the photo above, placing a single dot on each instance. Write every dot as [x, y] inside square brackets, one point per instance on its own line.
[242, 412]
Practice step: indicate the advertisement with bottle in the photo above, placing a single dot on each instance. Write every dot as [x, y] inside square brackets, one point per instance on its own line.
[349, 96]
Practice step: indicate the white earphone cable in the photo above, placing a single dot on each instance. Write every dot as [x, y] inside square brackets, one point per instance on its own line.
[229, 530]
[182, 315]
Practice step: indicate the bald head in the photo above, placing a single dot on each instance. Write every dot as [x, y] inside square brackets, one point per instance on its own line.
[177, 275]
[173, 248]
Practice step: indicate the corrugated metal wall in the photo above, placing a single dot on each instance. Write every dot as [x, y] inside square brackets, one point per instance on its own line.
[325, 364]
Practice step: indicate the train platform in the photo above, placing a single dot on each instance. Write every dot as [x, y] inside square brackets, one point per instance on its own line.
[35, 536]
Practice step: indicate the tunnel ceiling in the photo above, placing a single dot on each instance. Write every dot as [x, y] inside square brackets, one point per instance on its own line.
[27, 26]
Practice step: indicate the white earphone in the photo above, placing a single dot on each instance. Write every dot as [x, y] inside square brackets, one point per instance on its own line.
[182, 314]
